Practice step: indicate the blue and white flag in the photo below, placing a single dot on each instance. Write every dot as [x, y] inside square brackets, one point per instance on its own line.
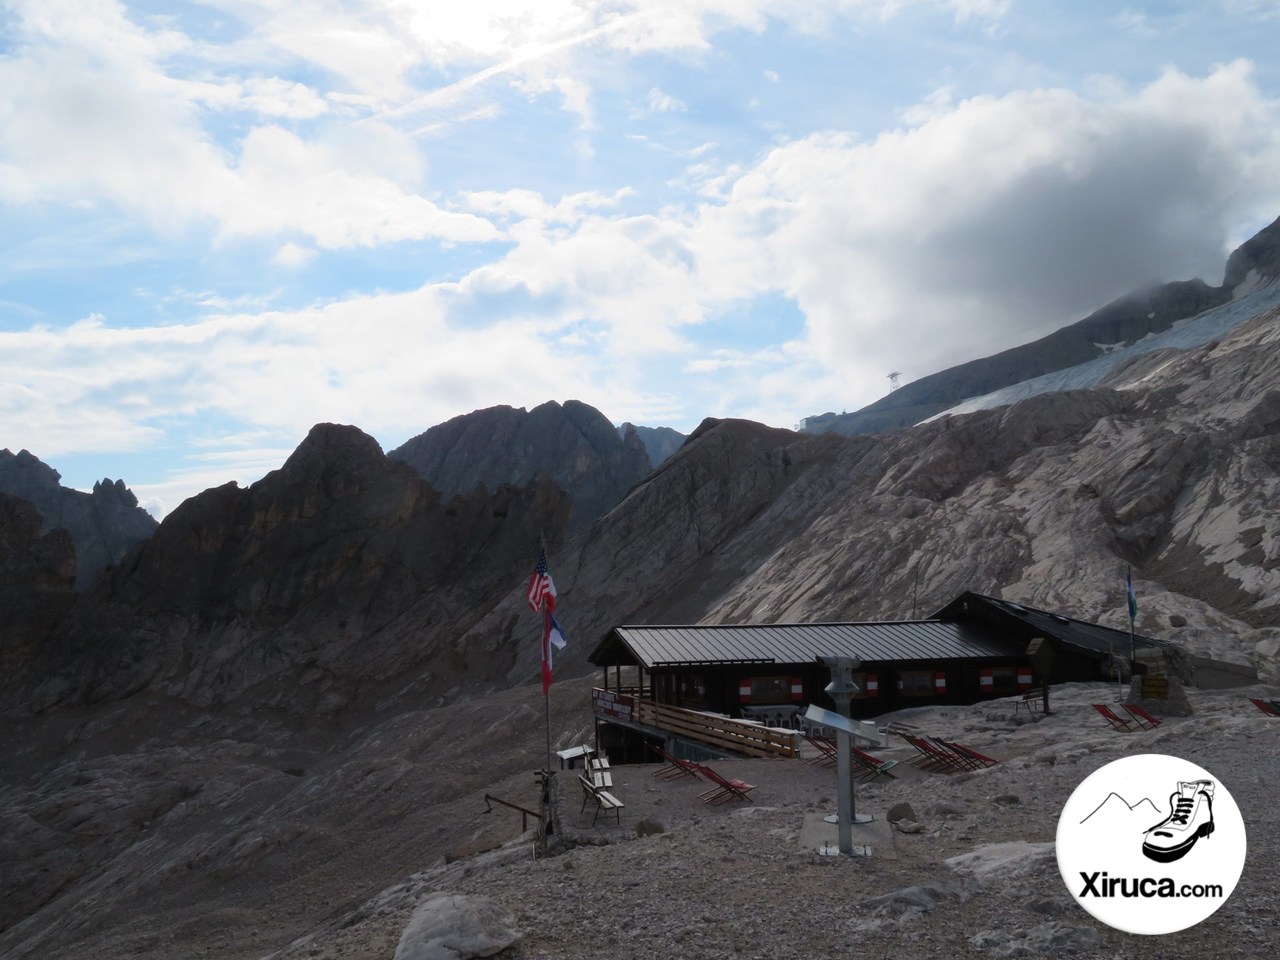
[553, 638]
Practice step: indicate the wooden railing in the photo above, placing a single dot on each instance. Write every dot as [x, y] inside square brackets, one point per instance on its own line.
[737, 736]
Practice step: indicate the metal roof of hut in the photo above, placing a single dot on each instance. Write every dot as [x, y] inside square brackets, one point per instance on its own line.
[924, 640]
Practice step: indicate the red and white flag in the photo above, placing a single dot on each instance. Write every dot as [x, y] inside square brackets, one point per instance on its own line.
[541, 586]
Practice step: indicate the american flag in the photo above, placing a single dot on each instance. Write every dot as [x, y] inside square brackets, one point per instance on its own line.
[541, 586]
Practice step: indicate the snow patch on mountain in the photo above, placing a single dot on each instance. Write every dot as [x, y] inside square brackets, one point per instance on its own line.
[1185, 334]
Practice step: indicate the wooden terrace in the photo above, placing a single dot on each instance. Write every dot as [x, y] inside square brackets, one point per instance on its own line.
[749, 738]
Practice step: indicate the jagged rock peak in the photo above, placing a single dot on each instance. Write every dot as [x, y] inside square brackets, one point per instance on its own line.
[572, 443]
[115, 491]
[1255, 263]
[24, 466]
[329, 443]
[745, 428]
[659, 442]
[103, 525]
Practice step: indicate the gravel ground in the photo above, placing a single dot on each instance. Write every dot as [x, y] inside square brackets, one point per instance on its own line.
[745, 879]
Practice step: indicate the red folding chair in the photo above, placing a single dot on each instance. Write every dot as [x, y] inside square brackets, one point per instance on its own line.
[1117, 722]
[978, 759]
[826, 754]
[932, 756]
[1144, 719]
[675, 768]
[871, 766]
[724, 789]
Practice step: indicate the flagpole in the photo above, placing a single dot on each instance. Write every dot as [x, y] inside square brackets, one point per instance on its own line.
[546, 687]
[1132, 603]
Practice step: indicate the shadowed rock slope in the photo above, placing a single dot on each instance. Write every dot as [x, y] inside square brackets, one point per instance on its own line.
[571, 443]
[322, 582]
[659, 442]
[104, 525]
[1254, 264]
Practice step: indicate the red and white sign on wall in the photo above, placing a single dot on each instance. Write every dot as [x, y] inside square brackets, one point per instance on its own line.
[606, 703]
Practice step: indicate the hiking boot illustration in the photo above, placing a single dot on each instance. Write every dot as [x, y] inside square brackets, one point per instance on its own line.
[1190, 818]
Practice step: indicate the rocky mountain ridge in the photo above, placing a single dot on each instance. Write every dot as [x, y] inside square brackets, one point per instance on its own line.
[1126, 321]
[572, 443]
[104, 525]
[659, 442]
[277, 594]
[296, 695]
[336, 567]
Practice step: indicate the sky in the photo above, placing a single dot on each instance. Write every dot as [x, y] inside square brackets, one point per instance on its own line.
[222, 222]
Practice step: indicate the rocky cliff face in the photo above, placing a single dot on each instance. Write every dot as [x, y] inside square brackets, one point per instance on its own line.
[37, 578]
[659, 442]
[1126, 321]
[104, 525]
[572, 443]
[329, 577]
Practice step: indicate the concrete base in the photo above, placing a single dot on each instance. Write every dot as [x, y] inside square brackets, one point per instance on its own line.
[871, 839]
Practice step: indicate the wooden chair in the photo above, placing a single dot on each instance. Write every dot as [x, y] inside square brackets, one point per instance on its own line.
[1117, 722]
[723, 790]
[1141, 717]
[1031, 701]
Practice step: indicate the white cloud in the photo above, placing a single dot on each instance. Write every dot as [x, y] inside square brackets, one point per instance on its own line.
[97, 109]
[286, 184]
[988, 221]
[241, 465]
[89, 117]
[935, 105]
[659, 102]
[993, 218]
[393, 364]
[293, 256]
[274, 97]
[326, 127]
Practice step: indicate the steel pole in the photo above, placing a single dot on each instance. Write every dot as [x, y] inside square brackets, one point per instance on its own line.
[844, 788]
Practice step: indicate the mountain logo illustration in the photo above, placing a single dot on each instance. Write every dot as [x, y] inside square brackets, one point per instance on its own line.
[1190, 818]
[1117, 807]
[1140, 864]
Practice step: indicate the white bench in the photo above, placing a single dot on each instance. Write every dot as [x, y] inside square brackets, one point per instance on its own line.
[604, 800]
[598, 770]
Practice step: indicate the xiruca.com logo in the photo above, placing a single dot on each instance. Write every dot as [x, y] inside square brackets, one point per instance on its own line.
[1151, 844]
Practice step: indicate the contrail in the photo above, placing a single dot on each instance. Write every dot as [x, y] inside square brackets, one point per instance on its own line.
[446, 95]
